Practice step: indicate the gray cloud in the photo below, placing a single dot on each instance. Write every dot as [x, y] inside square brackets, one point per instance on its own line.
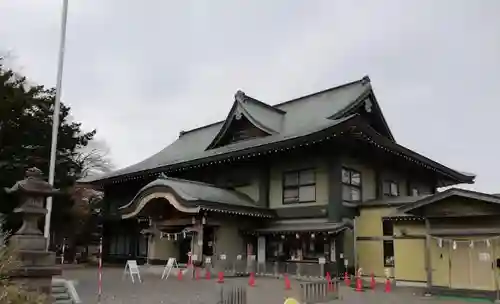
[142, 71]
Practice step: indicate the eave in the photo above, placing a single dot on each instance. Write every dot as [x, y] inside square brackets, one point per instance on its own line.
[353, 125]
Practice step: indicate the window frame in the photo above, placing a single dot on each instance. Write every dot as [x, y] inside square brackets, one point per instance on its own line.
[297, 186]
[390, 182]
[385, 256]
[350, 185]
[387, 228]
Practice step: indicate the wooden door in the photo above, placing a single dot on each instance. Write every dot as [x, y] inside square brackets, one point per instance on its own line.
[460, 268]
[440, 261]
[482, 267]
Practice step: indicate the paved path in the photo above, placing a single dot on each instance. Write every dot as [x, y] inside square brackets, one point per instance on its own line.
[171, 291]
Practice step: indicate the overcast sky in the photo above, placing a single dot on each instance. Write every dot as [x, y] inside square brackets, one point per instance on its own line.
[141, 71]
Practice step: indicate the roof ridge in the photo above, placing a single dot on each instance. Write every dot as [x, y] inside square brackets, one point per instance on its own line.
[263, 104]
[365, 79]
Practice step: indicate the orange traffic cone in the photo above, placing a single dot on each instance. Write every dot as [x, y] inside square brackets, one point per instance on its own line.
[179, 275]
[197, 273]
[387, 286]
[221, 277]
[347, 279]
[359, 284]
[251, 280]
[207, 273]
[287, 283]
[331, 287]
[372, 282]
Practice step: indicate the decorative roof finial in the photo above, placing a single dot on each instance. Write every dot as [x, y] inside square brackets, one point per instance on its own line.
[365, 80]
[240, 96]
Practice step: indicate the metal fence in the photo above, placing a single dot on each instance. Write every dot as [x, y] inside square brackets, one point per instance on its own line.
[243, 265]
[232, 295]
[319, 292]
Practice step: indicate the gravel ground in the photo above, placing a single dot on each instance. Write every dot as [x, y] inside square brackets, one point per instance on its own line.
[117, 289]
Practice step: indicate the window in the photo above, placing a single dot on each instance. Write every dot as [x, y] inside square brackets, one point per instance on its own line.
[387, 228]
[414, 192]
[299, 187]
[391, 188]
[351, 185]
[388, 253]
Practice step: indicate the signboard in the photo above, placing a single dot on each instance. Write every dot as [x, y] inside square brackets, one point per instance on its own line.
[133, 269]
[321, 261]
[346, 262]
[222, 257]
[208, 260]
[171, 263]
[238, 257]
[261, 249]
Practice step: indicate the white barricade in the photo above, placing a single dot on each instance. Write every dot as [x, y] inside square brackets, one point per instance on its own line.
[171, 263]
[133, 269]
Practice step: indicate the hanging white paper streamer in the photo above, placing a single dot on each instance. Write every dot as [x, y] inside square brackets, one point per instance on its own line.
[488, 243]
[175, 236]
[168, 236]
[184, 234]
[440, 243]
[454, 245]
[471, 245]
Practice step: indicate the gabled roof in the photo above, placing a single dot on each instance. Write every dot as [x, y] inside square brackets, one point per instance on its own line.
[371, 105]
[262, 116]
[300, 117]
[192, 196]
[488, 198]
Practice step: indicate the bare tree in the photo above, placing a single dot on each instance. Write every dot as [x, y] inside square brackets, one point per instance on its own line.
[94, 159]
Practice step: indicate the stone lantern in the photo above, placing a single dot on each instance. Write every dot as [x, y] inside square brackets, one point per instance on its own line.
[37, 265]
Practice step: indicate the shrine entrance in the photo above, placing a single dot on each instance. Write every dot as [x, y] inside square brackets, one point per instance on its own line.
[185, 248]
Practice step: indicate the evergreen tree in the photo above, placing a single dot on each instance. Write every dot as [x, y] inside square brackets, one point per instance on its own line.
[25, 139]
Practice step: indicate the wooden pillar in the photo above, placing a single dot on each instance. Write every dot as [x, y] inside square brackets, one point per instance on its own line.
[428, 262]
[199, 239]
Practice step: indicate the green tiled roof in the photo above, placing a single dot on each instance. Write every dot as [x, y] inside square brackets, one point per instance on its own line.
[205, 196]
[291, 119]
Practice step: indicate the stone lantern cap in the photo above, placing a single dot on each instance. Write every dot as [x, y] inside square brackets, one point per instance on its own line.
[33, 184]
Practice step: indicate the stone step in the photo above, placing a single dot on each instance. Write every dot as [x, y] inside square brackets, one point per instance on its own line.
[60, 292]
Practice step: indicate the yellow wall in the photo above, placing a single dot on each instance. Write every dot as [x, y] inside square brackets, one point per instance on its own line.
[409, 260]
[369, 221]
[408, 240]
[409, 253]
[276, 180]
[369, 252]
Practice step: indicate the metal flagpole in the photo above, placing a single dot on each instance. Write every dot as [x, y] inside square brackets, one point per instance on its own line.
[55, 118]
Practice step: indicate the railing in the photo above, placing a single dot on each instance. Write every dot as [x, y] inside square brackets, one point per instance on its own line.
[232, 295]
[319, 292]
[244, 265]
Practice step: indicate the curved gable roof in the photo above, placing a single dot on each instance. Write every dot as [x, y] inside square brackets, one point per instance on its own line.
[264, 117]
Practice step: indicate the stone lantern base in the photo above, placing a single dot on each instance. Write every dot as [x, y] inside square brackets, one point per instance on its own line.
[37, 265]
